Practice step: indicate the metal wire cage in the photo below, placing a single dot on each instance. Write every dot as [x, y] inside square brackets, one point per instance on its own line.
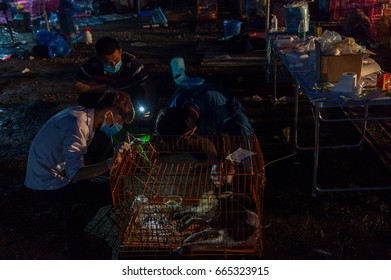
[173, 201]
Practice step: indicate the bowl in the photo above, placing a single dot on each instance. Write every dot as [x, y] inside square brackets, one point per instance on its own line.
[172, 202]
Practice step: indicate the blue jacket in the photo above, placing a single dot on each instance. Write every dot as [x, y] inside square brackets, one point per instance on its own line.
[220, 112]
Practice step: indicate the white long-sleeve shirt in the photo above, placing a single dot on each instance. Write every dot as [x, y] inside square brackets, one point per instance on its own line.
[56, 153]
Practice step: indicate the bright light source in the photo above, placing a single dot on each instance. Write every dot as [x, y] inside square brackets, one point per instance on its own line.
[141, 109]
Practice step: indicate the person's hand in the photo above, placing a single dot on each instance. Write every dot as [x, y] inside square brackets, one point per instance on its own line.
[119, 154]
[221, 174]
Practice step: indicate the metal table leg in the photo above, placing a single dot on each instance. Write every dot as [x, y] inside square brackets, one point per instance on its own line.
[316, 149]
[295, 119]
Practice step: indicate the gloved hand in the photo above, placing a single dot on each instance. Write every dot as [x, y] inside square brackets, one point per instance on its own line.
[221, 174]
[215, 174]
[119, 154]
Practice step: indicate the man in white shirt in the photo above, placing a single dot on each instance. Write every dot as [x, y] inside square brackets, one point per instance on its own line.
[56, 162]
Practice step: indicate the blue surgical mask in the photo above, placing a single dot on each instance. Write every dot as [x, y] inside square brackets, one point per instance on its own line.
[113, 69]
[111, 130]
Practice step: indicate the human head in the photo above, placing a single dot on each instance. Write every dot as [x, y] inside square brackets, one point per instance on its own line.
[108, 51]
[118, 102]
[106, 46]
[173, 121]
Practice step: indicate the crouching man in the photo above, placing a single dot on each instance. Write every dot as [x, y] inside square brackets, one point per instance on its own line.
[60, 164]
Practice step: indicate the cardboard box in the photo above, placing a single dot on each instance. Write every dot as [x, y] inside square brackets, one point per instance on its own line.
[332, 67]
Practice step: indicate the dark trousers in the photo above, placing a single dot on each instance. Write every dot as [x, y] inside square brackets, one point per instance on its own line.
[79, 203]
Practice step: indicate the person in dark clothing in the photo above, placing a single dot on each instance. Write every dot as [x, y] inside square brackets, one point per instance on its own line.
[114, 68]
[207, 109]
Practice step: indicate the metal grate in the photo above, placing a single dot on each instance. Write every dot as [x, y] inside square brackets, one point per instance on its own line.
[167, 205]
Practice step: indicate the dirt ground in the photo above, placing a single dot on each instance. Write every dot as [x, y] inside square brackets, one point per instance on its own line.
[349, 225]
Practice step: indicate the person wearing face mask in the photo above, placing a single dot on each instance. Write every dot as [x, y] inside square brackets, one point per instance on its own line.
[204, 110]
[207, 109]
[61, 163]
[114, 68]
[57, 153]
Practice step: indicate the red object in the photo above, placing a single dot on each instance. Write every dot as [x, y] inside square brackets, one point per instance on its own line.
[5, 56]
[383, 81]
[372, 8]
[258, 35]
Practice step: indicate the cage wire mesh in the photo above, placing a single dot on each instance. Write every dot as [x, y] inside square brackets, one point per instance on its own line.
[168, 205]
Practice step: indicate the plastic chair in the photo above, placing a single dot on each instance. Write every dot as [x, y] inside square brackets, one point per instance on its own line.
[178, 70]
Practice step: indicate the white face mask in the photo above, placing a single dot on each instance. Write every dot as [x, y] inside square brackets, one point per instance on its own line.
[111, 130]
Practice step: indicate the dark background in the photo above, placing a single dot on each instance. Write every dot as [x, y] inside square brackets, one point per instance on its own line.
[349, 225]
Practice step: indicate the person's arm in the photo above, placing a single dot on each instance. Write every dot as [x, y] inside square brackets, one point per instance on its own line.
[208, 148]
[89, 87]
[84, 80]
[94, 170]
[149, 90]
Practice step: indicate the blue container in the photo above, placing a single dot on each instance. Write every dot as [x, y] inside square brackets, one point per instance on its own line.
[232, 27]
[294, 13]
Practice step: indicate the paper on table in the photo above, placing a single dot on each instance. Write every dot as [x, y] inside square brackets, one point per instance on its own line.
[240, 155]
[369, 66]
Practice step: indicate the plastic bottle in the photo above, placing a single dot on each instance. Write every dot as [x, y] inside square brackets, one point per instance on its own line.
[301, 30]
[318, 30]
[87, 36]
[274, 24]
[311, 46]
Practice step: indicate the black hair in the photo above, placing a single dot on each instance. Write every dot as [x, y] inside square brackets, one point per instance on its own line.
[172, 121]
[106, 46]
[117, 100]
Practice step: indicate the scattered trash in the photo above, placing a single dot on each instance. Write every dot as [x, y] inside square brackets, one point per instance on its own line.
[323, 252]
[87, 36]
[138, 44]
[159, 17]
[25, 70]
[151, 25]
[5, 56]
[257, 98]
[55, 43]
[223, 56]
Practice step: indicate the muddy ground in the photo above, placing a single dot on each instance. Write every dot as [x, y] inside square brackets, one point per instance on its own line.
[349, 225]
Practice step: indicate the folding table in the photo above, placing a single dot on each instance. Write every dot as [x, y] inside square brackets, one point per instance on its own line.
[305, 79]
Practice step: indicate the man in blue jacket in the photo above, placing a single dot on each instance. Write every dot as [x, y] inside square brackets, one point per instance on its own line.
[207, 109]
